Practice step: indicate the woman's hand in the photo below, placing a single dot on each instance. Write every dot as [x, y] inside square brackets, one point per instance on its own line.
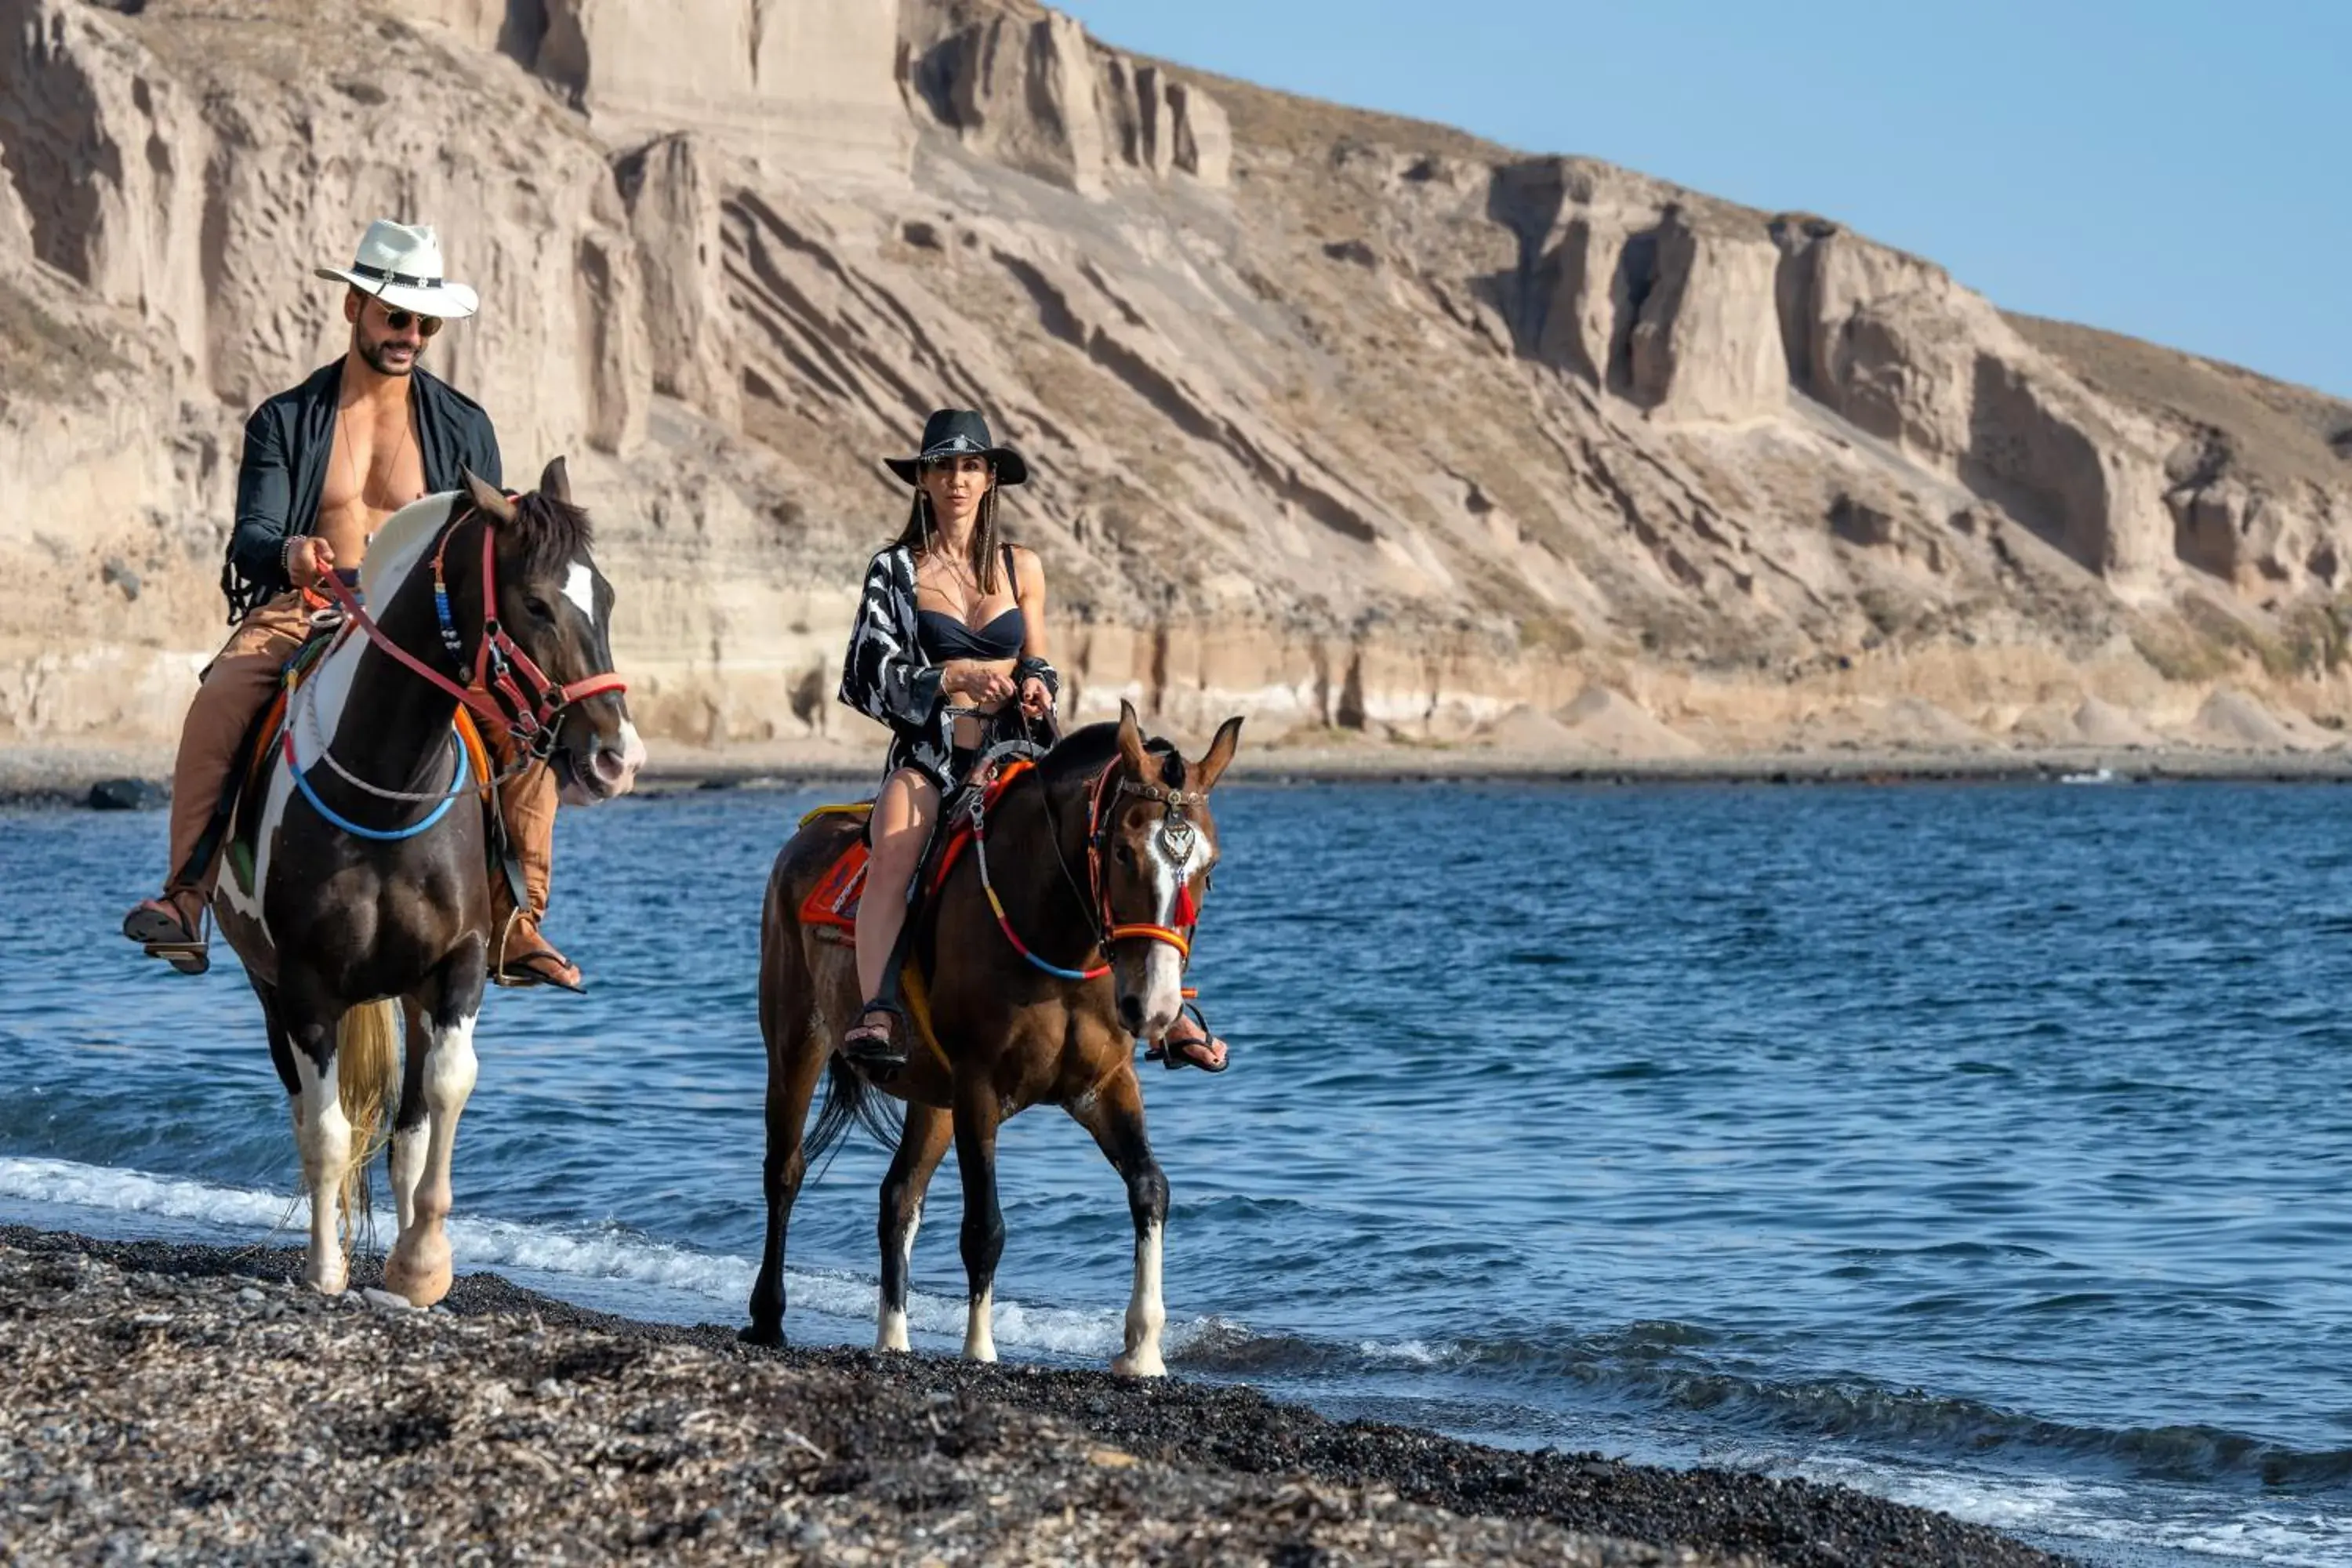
[977, 679]
[1035, 701]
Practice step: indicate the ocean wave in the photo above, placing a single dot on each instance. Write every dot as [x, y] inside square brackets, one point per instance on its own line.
[1664, 1365]
[596, 1254]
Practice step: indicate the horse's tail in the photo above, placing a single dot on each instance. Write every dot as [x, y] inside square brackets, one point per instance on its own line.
[367, 1079]
[851, 1102]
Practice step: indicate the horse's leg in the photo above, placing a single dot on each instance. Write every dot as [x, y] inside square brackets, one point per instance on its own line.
[407, 1162]
[977, 1114]
[418, 1265]
[322, 1133]
[922, 1145]
[796, 1059]
[1115, 1116]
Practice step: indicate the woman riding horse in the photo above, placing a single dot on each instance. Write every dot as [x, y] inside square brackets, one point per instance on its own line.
[948, 611]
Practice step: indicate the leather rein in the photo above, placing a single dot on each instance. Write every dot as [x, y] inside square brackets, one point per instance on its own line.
[508, 684]
[1177, 831]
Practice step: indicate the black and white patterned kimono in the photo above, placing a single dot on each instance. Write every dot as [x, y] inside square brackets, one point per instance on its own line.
[888, 677]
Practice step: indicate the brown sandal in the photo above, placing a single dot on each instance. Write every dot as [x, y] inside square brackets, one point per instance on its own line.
[530, 961]
[1202, 1050]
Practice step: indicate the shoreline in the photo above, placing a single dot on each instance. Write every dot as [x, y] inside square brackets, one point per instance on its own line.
[199, 1400]
[64, 776]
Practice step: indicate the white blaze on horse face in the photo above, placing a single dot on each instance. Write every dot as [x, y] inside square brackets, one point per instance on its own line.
[1146, 1316]
[1164, 969]
[580, 587]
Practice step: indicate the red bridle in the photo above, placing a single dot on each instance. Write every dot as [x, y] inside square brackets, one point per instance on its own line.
[530, 706]
[1186, 915]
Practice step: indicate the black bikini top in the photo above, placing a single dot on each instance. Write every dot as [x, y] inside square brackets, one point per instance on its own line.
[943, 636]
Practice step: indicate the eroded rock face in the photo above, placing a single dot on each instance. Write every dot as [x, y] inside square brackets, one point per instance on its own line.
[1349, 424]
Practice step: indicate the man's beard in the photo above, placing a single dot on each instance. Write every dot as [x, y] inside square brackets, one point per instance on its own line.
[378, 358]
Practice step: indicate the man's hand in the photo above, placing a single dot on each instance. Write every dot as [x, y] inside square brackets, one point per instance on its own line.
[1035, 701]
[309, 558]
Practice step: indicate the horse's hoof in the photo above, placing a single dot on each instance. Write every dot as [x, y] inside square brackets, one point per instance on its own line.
[327, 1282]
[769, 1337]
[422, 1273]
[1144, 1362]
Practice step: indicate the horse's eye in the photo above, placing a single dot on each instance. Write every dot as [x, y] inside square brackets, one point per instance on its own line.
[1127, 856]
[537, 608]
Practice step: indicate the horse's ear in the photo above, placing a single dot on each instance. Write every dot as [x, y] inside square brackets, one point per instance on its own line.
[1130, 742]
[1210, 768]
[487, 496]
[554, 483]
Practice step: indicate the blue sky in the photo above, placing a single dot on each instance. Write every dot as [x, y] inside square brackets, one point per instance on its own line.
[2176, 170]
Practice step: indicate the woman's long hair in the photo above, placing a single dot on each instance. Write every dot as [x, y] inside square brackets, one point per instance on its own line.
[920, 533]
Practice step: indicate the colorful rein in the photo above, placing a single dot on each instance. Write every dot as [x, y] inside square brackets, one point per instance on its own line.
[1107, 931]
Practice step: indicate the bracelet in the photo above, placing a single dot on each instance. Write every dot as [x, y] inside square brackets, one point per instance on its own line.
[286, 556]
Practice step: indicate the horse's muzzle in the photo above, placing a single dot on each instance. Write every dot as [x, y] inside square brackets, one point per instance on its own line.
[605, 769]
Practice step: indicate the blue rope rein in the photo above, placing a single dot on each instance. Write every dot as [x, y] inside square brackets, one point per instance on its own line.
[380, 836]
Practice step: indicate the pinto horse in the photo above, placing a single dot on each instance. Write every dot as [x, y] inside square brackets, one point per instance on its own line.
[369, 880]
[1096, 858]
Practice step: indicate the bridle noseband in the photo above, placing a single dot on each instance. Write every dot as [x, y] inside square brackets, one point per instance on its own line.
[1176, 835]
[530, 706]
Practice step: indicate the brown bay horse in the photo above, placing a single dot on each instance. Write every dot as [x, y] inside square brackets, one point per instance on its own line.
[364, 882]
[1099, 860]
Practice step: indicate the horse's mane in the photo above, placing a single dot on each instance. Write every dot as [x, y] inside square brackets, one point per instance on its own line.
[1083, 752]
[553, 533]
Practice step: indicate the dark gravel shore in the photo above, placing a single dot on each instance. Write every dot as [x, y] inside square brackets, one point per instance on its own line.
[183, 1403]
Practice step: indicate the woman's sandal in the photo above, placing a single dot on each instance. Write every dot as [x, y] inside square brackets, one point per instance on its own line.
[873, 1043]
[158, 925]
[1192, 1051]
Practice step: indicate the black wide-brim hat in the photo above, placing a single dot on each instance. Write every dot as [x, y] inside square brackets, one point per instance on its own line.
[953, 432]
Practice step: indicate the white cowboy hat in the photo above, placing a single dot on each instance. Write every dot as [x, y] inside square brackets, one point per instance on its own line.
[399, 263]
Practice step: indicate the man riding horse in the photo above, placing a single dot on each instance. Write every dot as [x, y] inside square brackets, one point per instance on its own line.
[325, 464]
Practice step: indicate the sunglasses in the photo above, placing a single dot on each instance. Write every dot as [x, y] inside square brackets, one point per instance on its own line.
[399, 321]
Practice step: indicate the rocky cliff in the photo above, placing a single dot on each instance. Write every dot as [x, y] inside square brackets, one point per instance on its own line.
[1360, 426]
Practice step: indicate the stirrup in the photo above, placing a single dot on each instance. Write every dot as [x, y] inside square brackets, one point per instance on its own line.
[540, 965]
[157, 926]
[1172, 1059]
[861, 1046]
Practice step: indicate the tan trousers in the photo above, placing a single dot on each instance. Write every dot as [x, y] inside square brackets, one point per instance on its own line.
[239, 683]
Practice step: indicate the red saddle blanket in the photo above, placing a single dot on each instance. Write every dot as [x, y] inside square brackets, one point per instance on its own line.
[834, 899]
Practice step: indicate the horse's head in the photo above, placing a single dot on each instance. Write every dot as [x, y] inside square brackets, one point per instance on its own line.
[558, 609]
[1157, 843]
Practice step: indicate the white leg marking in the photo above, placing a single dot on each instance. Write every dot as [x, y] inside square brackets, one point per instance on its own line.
[580, 587]
[979, 1336]
[419, 1264]
[407, 1165]
[890, 1326]
[324, 1137]
[1144, 1314]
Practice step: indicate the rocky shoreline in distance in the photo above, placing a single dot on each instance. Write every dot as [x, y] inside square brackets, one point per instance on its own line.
[138, 779]
[181, 1403]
